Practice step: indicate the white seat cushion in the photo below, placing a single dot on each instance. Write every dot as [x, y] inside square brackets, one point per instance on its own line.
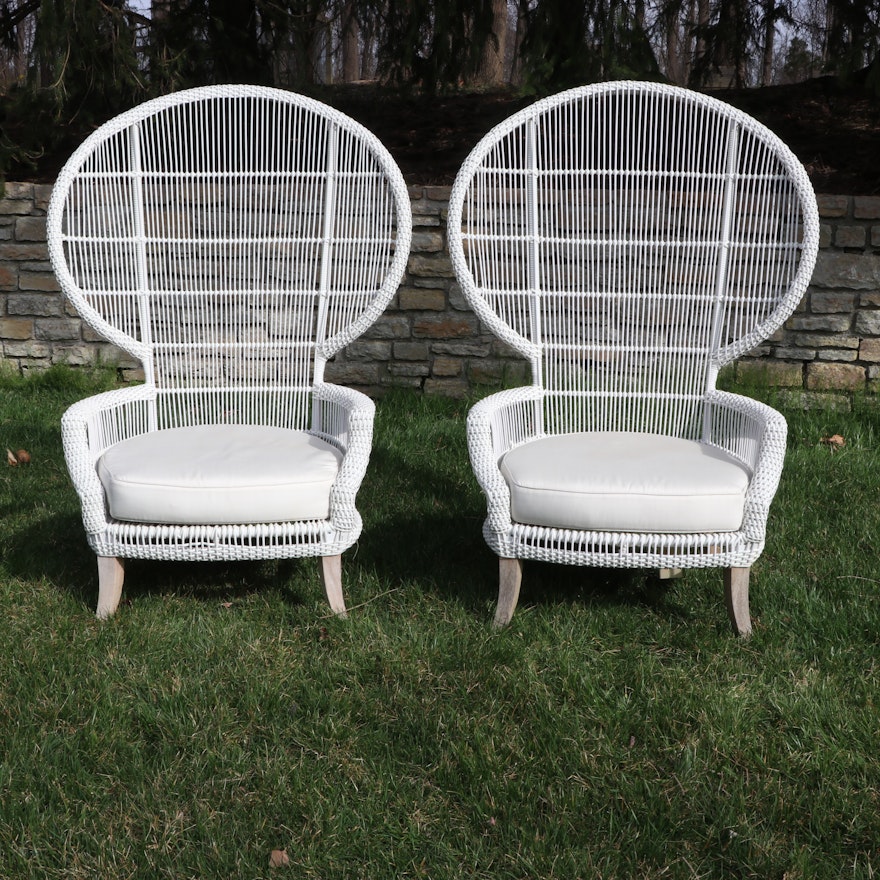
[219, 474]
[622, 482]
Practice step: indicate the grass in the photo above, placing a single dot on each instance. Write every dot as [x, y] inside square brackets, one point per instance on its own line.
[616, 729]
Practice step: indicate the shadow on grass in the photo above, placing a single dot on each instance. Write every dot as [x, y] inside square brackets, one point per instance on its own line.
[438, 544]
[55, 551]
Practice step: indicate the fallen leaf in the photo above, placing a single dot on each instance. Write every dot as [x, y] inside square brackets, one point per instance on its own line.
[23, 456]
[226, 604]
[835, 441]
[11, 460]
[279, 859]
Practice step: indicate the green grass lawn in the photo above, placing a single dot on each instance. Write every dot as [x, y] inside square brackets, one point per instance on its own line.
[617, 729]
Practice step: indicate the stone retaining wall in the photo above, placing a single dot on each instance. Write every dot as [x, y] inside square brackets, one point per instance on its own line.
[430, 339]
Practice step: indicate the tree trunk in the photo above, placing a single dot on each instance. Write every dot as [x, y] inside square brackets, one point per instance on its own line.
[769, 42]
[492, 63]
[351, 61]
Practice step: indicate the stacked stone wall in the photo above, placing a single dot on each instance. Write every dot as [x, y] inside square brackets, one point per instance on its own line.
[429, 338]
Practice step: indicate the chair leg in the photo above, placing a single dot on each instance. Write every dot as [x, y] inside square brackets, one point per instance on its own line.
[331, 575]
[111, 573]
[736, 593]
[509, 580]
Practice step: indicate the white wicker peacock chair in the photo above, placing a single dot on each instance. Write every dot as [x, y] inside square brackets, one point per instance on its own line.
[232, 239]
[630, 239]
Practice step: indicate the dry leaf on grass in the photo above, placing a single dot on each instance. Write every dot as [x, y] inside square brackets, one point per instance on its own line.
[279, 859]
[835, 441]
[11, 460]
[21, 456]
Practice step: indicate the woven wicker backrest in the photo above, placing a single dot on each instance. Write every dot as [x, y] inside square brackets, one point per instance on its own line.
[232, 238]
[630, 239]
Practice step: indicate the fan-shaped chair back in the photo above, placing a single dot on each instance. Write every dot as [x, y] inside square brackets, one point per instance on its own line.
[630, 239]
[232, 238]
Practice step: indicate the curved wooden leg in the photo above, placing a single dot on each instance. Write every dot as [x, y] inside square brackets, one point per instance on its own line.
[111, 573]
[331, 575]
[510, 577]
[736, 592]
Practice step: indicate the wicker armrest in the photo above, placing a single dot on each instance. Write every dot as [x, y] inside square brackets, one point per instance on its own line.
[92, 426]
[496, 424]
[344, 417]
[755, 434]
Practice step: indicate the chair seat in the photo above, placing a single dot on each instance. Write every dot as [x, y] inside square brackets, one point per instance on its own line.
[219, 474]
[625, 482]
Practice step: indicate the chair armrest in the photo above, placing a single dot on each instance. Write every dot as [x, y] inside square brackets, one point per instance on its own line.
[494, 425]
[755, 434]
[93, 425]
[344, 418]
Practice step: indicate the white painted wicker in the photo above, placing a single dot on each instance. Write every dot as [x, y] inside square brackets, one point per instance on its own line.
[232, 239]
[629, 239]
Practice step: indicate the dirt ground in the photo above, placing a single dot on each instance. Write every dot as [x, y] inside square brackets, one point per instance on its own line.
[835, 132]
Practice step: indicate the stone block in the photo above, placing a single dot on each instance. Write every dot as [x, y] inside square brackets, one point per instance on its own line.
[869, 351]
[486, 372]
[38, 281]
[850, 237]
[446, 367]
[817, 340]
[868, 322]
[352, 374]
[462, 349]
[16, 328]
[389, 327]
[15, 207]
[777, 374]
[89, 334]
[410, 351]
[42, 194]
[8, 278]
[835, 301]
[795, 354]
[420, 299]
[427, 242]
[456, 388]
[866, 207]
[869, 299]
[456, 298]
[839, 355]
[76, 355]
[368, 350]
[30, 229]
[429, 283]
[435, 266]
[444, 327]
[438, 193]
[832, 206]
[826, 235]
[834, 377]
[22, 251]
[36, 304]
[830, 323]
[847, 271]
[28, 348]
[56, 329]
[18, 190]
[875, 236]
[408, 369]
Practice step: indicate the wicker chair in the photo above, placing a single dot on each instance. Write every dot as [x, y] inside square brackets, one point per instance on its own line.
[630, 239]
[232, 239]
